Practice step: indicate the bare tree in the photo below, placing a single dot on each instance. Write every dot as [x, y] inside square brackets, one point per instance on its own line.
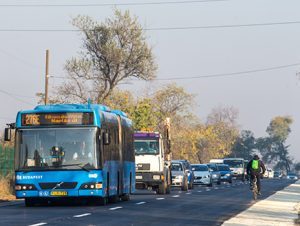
[112, 51]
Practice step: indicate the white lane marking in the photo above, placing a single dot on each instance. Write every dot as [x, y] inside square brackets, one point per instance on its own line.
[179, 191]
[38, 224]
[216, 188]
[140, 203]
[115, 208]
[199, 191]
[188, 193]
[207, 189]
[82, 215]
[175, 196]
[160, 198]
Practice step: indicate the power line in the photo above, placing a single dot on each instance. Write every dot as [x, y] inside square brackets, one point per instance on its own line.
[240, 73]
[230, 74]
[14, 96]
[166, 28]
[113, 4]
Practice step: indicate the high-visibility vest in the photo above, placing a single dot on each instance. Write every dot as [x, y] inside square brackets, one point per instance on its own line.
[254, 164]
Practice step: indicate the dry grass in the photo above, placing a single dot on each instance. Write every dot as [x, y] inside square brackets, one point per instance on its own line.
[6, 189]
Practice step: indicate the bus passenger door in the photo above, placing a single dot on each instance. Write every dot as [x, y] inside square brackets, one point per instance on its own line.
[121, 160]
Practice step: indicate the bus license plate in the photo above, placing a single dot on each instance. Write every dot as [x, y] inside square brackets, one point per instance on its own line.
[59, 193]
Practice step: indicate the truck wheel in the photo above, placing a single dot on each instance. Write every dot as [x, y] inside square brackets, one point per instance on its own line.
[191, 185]
[219, 182]
[162, 189]
[184, 186]
[168, 191]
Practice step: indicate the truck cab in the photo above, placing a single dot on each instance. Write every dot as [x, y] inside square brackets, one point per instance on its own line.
[152, 163]
[237, 167]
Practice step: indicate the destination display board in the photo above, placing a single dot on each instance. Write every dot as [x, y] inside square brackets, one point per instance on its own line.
[48, 119]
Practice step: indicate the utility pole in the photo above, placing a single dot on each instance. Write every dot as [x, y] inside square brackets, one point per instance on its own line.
[46, 76]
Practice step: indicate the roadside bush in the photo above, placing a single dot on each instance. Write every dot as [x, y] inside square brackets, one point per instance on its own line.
[6, 188]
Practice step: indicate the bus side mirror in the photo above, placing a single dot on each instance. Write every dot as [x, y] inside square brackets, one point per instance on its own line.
[7, 134]
[106, 138]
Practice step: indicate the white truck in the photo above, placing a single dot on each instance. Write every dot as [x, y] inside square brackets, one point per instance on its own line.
[237, 166]
[153, 161]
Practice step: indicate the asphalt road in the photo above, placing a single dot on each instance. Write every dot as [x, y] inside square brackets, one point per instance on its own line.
[200, 206]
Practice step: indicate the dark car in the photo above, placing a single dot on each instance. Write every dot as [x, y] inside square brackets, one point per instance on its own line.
[277, 174]
[226, 174]
[215, 173]
[190, 173]
[292, 176]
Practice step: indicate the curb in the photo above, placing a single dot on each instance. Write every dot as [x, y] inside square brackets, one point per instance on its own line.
[11, 203]
[281, 208]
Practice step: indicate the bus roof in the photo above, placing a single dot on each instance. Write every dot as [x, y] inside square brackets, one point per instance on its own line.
[141, 134]
[96, 109]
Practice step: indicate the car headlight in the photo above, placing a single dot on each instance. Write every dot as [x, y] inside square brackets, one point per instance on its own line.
[214, 175]
[156, 177]
[227, 174]
[179, 177]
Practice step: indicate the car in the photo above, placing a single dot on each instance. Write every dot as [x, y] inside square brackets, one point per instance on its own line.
[190, 173]
[179, 175]
[215, 173]
[292, 176]
[277, 174]
[202, 174]
[226, 174]
[269, 173]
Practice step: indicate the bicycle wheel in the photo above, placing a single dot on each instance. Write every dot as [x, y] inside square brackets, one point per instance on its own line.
[254, 190]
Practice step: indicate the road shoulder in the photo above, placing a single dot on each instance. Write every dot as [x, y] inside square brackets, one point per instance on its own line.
[281, 208]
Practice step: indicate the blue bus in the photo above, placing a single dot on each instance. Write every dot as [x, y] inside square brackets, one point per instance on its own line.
[68, 151]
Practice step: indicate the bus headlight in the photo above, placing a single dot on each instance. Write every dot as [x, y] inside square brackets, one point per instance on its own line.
[24, 187]
[93, 185]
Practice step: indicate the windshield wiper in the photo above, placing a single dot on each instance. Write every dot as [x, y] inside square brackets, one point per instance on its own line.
[79, 165]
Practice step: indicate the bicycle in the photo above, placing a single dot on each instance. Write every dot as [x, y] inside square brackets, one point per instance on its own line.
[254, 188]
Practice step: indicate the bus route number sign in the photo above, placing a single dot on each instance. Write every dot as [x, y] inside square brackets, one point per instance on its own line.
[46, 119]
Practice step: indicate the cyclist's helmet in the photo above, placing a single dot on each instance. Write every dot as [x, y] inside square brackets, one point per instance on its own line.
[256, 157]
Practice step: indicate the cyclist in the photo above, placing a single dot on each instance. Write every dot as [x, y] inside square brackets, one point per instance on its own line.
[256, 168]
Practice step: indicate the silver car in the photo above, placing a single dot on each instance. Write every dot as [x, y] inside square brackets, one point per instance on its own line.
[179, 175]
[202, 174]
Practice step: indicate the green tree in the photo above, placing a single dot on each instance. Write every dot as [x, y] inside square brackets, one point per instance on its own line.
[112, 51]
[273, 148]
[122, 100]
[244, 146]
[143, 115]
[297, 167]
[224, 128]
[279, 128]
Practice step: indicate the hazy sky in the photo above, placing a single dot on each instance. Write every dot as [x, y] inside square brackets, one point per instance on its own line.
[210, 48]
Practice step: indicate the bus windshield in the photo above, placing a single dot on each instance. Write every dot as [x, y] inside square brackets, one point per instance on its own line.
[234, 163]
[56, 148]
[146, 147]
